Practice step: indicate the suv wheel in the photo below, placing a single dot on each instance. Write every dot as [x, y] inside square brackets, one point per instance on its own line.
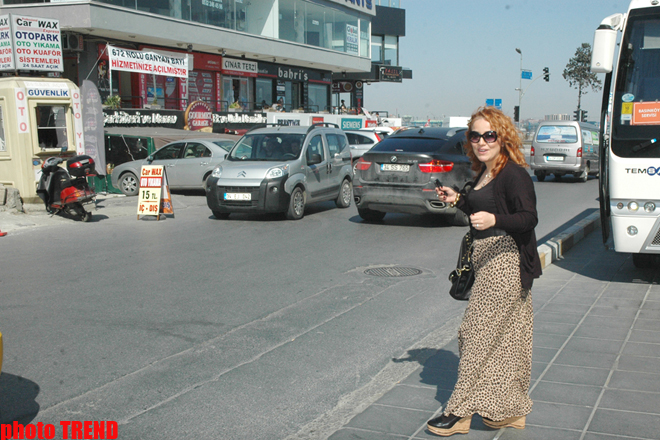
[296, 204]
[370, 215]
[345, 194]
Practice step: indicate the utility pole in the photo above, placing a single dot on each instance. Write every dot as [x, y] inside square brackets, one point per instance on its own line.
[520, 90]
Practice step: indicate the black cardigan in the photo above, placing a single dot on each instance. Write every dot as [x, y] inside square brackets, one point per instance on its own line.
[516, 214]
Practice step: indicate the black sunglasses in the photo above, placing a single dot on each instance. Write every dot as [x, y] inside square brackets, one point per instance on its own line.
[489, 137]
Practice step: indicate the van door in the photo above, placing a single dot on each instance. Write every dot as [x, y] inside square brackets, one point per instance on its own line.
[338, 155]
[316, 168]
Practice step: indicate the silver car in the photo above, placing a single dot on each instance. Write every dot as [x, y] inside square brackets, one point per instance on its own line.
[281, 169]
[188, 164]
[362, 141]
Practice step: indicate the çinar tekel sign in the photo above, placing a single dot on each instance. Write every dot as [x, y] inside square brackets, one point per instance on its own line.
[30, 43]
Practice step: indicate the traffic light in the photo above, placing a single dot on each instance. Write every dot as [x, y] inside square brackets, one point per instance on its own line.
[583, 117]
[516, 113]
[576, 115]
[546, 73]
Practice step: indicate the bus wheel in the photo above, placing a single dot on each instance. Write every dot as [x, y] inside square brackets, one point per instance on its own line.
[643, 261]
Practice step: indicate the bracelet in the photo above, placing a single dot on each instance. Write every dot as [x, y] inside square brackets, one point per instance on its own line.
[458, 197]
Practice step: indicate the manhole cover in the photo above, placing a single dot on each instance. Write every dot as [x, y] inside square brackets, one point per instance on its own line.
[392, 271]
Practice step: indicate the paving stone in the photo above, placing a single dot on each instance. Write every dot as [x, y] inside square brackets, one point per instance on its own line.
[591, 345]
[544, 340]
[629, 380]
[392, 420]
[645, 336]
[411, 398]
[576, 358]
[642, 349]
[614, 333]
[577, 375]
[572, 394]
[624, 423]
[639, 364]
[635, 401]
[553, 328]
[565, 318]
[559, 415]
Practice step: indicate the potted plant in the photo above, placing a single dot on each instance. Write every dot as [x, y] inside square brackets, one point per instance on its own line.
[112, 101]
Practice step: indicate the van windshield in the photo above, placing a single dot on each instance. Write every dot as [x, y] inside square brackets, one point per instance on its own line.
[557, 134]
[267, 147]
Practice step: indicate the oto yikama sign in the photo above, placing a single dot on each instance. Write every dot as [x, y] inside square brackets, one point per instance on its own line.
[30, 43]
[154, 196]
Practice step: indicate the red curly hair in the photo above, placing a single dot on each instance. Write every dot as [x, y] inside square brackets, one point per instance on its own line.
[507, 136]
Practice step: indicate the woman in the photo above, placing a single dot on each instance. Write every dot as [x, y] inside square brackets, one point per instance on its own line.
[495, 337]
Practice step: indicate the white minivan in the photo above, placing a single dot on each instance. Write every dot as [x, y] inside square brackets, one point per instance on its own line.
[565, 147]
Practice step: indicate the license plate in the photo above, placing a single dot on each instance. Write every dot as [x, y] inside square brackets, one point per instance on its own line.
[394, 167]
[555, 158]
[238, 196]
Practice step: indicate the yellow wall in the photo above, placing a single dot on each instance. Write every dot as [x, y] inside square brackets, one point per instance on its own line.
[21, 158]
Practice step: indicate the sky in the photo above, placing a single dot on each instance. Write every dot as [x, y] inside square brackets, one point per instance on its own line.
[463, 52]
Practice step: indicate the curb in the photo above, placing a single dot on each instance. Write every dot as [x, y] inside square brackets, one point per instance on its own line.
[554, 249]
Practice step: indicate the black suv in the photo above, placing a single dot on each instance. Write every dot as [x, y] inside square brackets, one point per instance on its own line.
[399, 173]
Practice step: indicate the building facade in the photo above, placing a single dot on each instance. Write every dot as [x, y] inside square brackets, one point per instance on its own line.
[243, 56]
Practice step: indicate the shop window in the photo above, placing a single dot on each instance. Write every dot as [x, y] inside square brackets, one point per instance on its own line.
[391, 50]
[377, 49]
[51, 127]
[317, 97]
[264, 92]
[365, 30]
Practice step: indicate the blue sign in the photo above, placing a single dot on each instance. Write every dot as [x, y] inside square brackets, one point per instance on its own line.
[497, 103]
[526, 74]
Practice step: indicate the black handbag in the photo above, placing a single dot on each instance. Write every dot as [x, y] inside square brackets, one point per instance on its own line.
[462, 277]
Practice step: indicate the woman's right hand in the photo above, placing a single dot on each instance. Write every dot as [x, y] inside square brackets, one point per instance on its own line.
[446, 194]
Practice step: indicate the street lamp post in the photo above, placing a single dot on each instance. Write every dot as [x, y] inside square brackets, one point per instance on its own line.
[520, 88]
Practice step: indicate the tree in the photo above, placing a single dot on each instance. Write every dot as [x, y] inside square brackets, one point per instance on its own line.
[578, 74]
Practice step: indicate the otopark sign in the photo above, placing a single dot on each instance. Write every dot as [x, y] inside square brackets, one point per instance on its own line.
[30, 43]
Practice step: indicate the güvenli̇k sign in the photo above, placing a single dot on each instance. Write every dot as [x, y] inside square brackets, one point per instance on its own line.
[198, 117]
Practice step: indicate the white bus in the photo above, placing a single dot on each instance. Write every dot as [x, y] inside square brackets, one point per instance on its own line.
[630, 129]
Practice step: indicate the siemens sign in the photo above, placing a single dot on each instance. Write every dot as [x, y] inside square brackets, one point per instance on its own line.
[351, 124]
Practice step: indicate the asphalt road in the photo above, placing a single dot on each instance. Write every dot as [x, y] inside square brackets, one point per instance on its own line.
[254, 327]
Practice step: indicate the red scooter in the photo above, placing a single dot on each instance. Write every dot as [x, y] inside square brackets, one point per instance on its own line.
[65, 190]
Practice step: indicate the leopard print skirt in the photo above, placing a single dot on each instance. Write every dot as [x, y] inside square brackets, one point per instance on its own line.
[495, 337]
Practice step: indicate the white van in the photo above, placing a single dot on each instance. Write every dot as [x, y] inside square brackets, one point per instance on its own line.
[565, 147]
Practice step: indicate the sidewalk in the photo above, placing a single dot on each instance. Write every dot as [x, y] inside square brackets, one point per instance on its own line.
[596, 361]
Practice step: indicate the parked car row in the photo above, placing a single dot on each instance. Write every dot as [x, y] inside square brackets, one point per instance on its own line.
[284, 168]
[188, 164]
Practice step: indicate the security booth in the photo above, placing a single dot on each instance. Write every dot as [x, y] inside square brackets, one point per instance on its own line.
[39, 118]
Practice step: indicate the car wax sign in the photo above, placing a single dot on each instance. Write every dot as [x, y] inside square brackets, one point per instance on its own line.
[154, 195]
[37, 43]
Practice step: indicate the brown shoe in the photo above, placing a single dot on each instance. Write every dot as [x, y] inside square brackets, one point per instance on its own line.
[511, 422]
[449, 425]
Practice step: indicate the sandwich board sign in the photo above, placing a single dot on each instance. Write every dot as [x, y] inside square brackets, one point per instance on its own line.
[154, 195]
